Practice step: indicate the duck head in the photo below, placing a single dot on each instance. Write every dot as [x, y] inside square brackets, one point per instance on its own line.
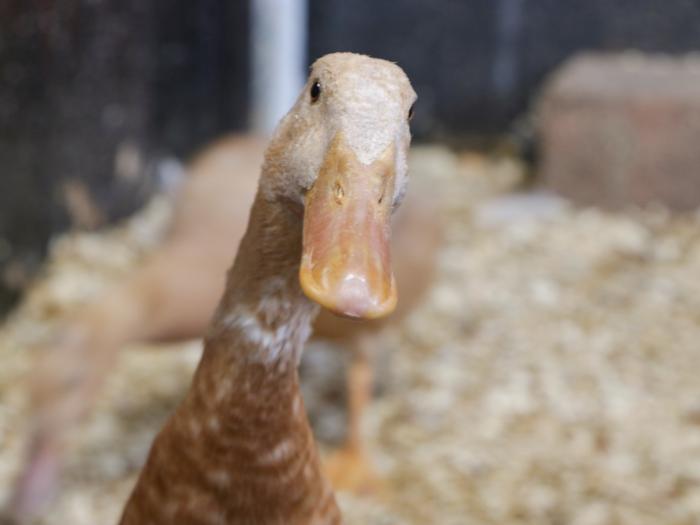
[340, 158]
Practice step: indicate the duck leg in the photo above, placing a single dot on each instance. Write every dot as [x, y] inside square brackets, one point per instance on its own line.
[350, 468]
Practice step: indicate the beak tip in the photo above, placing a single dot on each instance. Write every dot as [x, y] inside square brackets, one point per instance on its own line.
[352, 298]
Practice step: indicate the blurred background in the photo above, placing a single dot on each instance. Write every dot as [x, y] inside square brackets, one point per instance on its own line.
[97, 92]
[549, 373]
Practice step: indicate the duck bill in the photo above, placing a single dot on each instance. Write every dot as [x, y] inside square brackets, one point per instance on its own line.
[346, 262]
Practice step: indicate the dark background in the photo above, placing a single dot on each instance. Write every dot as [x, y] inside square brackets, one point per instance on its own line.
[97, 91]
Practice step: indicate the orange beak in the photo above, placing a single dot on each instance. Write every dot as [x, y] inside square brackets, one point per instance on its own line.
[346, 263]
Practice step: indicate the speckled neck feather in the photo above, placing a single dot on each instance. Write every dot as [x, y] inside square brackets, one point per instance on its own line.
[239, 449]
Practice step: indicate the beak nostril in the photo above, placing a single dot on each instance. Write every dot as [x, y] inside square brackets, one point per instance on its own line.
[338, 193]
[381, 197]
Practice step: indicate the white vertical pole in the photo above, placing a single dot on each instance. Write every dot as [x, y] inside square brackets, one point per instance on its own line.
[278, 33]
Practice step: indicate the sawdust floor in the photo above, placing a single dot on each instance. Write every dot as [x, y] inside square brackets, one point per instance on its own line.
[552, 376]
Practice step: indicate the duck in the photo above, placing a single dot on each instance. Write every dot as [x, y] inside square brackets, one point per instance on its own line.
[239, 448]
[162, 300]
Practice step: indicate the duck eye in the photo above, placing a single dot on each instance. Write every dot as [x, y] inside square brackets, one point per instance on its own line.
[410, 111]
[315, 91]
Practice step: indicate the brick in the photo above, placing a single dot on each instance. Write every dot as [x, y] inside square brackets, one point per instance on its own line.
[623, 130]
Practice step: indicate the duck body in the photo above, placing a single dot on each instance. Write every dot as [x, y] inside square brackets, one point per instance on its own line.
[239, 449]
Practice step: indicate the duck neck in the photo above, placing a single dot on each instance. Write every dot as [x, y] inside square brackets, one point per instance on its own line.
[264, 318]
[241, 433]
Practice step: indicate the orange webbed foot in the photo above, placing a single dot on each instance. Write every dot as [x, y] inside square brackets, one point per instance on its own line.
[349, 469]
